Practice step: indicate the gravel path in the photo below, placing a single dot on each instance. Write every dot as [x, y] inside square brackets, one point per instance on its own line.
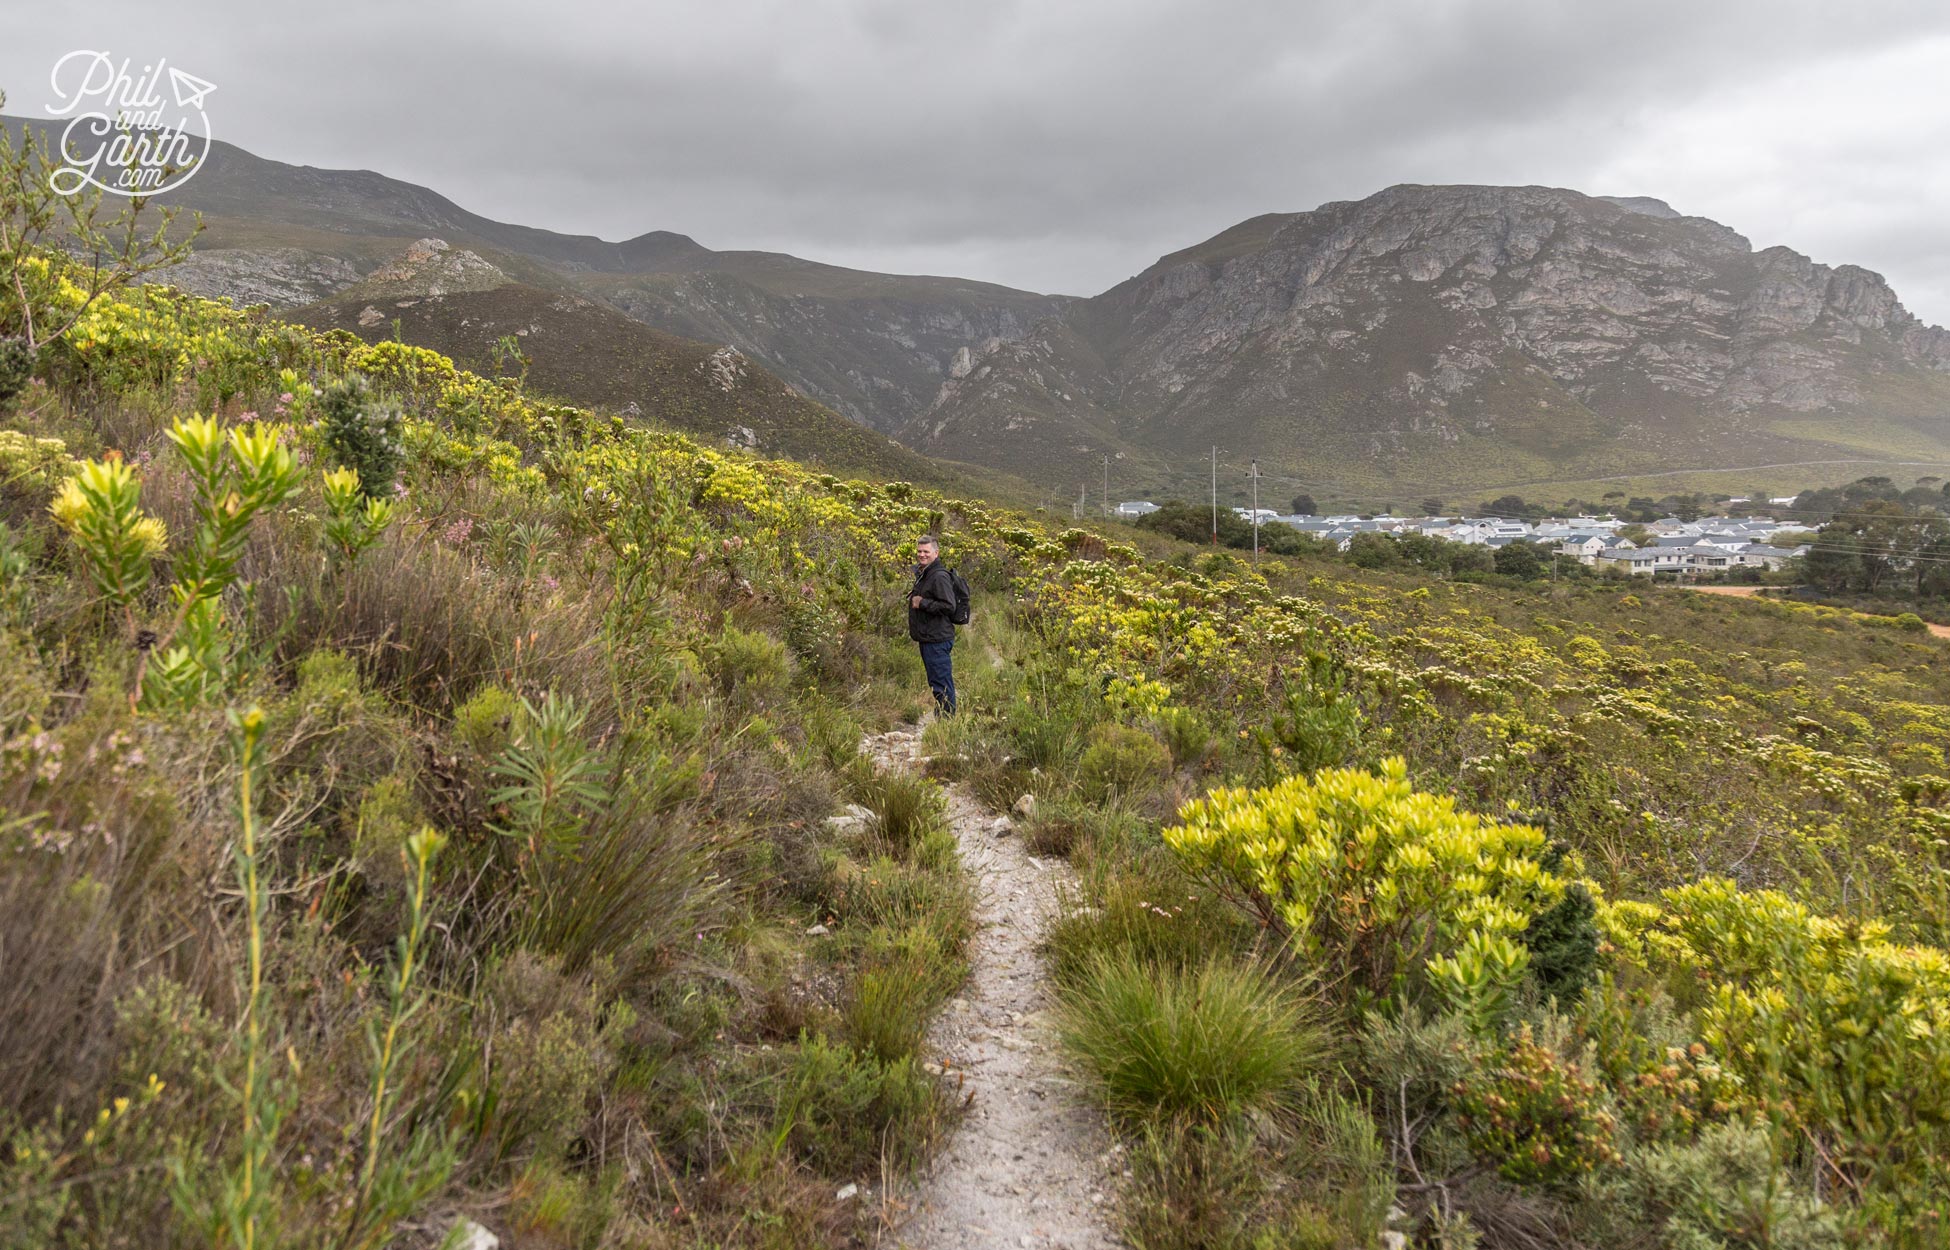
[1030, 1164]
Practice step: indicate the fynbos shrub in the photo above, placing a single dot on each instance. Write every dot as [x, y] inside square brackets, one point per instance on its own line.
[1381, 884]
[1120, 760]
[363, 433]
[16, 366]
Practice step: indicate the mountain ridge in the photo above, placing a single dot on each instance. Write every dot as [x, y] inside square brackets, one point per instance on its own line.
[871, 346]
[1451, 337]
[1426, 338]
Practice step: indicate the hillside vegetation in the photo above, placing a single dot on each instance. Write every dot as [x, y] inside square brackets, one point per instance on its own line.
[417, 802]
[571, 348]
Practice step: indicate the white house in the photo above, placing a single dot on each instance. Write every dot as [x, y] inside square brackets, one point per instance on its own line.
[1135, 508]
[1697, 557]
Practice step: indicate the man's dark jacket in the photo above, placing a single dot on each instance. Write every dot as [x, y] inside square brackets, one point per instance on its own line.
[933, 621]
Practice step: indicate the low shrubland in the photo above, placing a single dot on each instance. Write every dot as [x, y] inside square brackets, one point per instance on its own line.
[415, 799]
[415, 803]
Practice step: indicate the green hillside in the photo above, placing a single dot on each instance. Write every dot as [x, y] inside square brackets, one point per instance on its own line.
[582, 352]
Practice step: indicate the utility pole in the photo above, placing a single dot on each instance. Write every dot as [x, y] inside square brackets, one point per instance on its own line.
[1106, 483]
[1255, 512]
[1215, 494]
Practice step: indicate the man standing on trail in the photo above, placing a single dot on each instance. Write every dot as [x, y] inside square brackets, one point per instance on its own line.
[930, 621]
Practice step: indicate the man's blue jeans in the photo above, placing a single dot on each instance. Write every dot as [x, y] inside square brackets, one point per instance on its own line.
[941, 673]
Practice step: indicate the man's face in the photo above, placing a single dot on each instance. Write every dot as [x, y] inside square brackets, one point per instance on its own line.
[925, 553]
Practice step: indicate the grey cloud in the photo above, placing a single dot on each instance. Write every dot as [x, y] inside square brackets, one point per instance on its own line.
[1052, 146]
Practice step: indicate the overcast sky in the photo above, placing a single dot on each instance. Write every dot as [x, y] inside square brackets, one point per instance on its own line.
[1062, 146]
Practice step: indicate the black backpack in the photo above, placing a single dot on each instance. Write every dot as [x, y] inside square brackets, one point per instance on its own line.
[962, 613]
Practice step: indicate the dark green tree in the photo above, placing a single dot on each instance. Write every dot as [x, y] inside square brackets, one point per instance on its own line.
[1520, 560]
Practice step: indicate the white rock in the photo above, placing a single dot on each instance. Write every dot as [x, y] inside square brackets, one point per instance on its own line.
[1392, 1240]
[467, 1235]
[846, 1191]
[1025, 807]
[818, 930]
[858, 813]
[1002, 826]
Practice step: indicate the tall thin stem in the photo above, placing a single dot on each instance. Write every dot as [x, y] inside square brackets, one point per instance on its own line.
[252, 726]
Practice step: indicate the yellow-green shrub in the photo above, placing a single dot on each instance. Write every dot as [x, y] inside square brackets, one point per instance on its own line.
[1840, 1032]
[1377, 882]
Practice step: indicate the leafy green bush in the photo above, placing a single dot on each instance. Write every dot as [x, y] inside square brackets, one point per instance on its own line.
[546, 1052]
[753, 668]
[1206, 1043]
[551, 778]
[1187, 736]
[484, 723]
[352, 523]
[1381, 884]
[1723, 1190]
[1842, 1030]
[1318, 721]
[1121, 760]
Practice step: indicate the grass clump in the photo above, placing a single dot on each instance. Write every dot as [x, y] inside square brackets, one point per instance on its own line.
[1211, 1043]
[891, 1003]
[1137, 903]
[906, 808]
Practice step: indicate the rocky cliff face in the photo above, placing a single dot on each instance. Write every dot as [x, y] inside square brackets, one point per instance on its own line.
[876, 351]
[1445, 336]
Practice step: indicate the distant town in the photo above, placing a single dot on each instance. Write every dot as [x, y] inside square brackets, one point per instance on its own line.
[1667, 545]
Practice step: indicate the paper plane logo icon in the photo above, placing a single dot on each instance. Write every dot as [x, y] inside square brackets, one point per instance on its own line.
[189, 89]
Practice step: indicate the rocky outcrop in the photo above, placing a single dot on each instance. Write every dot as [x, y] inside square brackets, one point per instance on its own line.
[431, 267]
[279, 276]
